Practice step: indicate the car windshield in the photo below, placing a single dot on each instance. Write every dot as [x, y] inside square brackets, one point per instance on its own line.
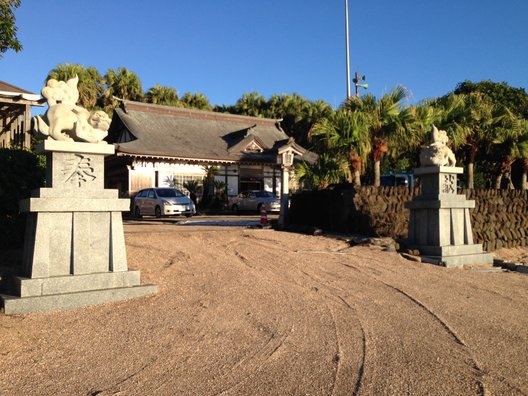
[264, 194]
[169, 193]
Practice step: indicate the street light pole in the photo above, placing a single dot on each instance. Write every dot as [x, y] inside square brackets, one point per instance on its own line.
[347, 51]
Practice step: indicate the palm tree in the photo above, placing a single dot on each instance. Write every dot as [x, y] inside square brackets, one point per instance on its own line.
[523, 129]
[328, 169]
[162, 95]
[195, 101]
[467, 120]
[251, 104]
[510, 143]
[345, 135]
[122, 84]
[90, 83]
[382, 119]
[192, 186]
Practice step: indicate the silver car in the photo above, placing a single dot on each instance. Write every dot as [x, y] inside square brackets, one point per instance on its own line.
[162, 201]
[252, 201]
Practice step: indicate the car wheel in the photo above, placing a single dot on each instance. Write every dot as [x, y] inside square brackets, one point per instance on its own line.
[259, 207]
[137, 212]
[235, 209]
[188, 215]
[157, 211]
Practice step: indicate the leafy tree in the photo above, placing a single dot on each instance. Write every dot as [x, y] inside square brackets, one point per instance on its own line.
[523, 151]
[510, 143]
[8, 28]
[195, 101]
[251, 104]
[122, 84]
[383, 120]
[162, 95]
[192, 186]
[344, 135]
[516, 99]
[297, 113]
[20, 172]
[328, 169]
[208, 185]
[90, 83]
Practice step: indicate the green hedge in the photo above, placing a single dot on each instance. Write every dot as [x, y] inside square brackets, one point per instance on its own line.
[20, 172]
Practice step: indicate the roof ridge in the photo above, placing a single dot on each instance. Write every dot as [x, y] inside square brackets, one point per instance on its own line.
[16, 89]
[196, 114]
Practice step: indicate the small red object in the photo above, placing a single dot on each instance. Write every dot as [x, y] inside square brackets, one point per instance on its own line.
[263, 216]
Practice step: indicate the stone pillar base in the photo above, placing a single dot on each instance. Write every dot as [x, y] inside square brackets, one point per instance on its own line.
[74, 250]
[52, 302]
[439, 221]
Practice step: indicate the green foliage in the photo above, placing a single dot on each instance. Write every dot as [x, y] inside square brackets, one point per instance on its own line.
[343, 136]
[192, 185]
[251, 104]
[123, 84]
[8, 28]
[327, 170]
[162, 95]
[20, 172]
[90, 85]
[297, 114]
[516, 99]
[195, 101]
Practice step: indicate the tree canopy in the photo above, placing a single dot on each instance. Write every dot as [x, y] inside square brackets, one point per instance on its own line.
[90, 85]
[516, 99]
[487, 124]
[8, 28]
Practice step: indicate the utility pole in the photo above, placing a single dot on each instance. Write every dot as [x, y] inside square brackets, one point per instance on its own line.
[347, 52]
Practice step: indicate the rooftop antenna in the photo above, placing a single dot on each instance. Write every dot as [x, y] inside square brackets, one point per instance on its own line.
[356, 81]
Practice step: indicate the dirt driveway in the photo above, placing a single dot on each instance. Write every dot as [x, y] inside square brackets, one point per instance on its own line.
[260, 312]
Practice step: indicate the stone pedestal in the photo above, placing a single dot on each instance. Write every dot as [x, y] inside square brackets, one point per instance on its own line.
[439, 222]
[74, 253]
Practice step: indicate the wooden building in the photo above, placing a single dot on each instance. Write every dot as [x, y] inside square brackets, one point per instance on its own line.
[166, 146]
[15, 115]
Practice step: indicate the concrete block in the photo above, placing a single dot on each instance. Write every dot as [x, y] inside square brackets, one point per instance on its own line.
[55, 302]
[436, 201]
[450, 250]
[79, 204]
[26, 287]
[460, 260]
[46, 192]
[74, 252]
[75, 147]
[442, 228]
[433, 170]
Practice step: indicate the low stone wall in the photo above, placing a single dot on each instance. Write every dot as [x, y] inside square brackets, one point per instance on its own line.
[500, 217]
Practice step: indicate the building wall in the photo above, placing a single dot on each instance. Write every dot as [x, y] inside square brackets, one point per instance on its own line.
[14, 126]
[144, 173]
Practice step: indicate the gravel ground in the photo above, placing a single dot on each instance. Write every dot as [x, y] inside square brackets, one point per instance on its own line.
[261, 312]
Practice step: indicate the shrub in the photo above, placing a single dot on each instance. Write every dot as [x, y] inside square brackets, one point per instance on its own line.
[20, 172]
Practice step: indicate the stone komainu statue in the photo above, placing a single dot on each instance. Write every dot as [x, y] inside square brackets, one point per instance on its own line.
[66, 121]
[437, 153]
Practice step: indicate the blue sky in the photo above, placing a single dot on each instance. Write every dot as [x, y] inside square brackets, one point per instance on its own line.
[223, 48]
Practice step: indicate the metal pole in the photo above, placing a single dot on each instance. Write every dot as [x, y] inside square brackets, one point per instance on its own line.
[347, 51]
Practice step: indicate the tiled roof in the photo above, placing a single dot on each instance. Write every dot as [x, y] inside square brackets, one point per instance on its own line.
[11, 88]
[165, 131]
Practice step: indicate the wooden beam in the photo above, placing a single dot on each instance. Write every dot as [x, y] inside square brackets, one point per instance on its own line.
[19, 101]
